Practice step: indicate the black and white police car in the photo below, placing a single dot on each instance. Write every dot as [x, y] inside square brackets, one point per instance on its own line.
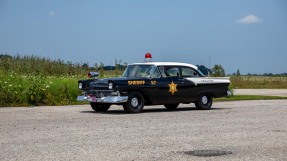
[154, 83]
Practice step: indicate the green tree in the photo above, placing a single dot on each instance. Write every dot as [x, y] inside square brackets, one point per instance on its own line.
[218, 71]
[85, 66]
[238, 73]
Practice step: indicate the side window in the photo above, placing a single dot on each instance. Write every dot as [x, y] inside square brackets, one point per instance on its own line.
[161, 69]
[188, 72]
[153, 72]
[171, 71]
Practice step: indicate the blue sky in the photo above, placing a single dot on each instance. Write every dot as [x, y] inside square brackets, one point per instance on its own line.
[249, 35]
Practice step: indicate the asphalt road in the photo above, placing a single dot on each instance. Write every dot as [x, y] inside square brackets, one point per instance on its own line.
[243, 130]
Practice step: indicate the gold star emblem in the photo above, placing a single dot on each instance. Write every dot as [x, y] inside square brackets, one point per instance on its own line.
[172, 87]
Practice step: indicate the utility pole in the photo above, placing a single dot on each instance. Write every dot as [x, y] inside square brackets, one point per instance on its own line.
[209, 62]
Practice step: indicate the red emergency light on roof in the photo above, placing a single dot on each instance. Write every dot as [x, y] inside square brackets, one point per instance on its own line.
[148, 57]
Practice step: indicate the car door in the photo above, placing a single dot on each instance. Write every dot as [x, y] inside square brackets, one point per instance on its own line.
[190, 90]
[143, 79]
[170, 86]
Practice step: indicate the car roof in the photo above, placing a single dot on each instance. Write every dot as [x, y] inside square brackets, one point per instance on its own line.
[167, 64]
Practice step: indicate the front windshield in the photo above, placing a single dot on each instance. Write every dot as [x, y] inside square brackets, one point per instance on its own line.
[141, 71]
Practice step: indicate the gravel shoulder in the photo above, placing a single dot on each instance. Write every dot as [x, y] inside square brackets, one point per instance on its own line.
[250, 130]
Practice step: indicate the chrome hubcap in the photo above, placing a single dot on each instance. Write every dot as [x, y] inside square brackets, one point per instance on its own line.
[134, 102]
[204, 100]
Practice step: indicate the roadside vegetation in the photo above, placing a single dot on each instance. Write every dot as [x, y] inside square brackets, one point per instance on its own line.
[259, 82]
[33, 81]
[247, 97]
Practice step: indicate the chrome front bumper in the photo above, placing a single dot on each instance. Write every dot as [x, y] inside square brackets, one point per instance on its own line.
[107, 99]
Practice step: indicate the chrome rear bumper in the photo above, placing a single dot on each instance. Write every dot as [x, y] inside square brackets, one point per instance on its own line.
[229, 93]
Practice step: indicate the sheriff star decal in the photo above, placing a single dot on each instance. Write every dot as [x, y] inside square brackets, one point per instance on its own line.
[172, 87]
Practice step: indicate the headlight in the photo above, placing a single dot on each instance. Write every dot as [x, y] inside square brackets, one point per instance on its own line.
[80, 85]
[111, 84]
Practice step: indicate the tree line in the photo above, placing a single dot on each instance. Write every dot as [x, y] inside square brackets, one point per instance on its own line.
[38, 65]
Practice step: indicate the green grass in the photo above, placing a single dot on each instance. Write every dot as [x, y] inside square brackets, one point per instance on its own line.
[33, 81]
[29, 90]
[247, 97]
[259, 82]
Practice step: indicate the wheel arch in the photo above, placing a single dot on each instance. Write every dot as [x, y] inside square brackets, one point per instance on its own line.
[144, 94]
[208, 93]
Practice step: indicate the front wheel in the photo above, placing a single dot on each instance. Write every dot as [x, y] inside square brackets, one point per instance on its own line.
[100, 107]
[135, 103]
[204, 102]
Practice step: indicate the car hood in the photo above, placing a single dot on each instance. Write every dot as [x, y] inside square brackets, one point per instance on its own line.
[103, 83]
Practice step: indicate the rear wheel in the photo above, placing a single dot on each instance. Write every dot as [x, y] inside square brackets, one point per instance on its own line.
[204, 102]
[171, 106]
[100, 107]
[135, 103]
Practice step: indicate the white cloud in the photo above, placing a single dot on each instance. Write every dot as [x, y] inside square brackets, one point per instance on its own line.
[250, 19]
[52, 13]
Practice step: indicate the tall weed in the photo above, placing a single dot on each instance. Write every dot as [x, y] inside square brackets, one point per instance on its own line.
[257, 82]
[32, 80]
